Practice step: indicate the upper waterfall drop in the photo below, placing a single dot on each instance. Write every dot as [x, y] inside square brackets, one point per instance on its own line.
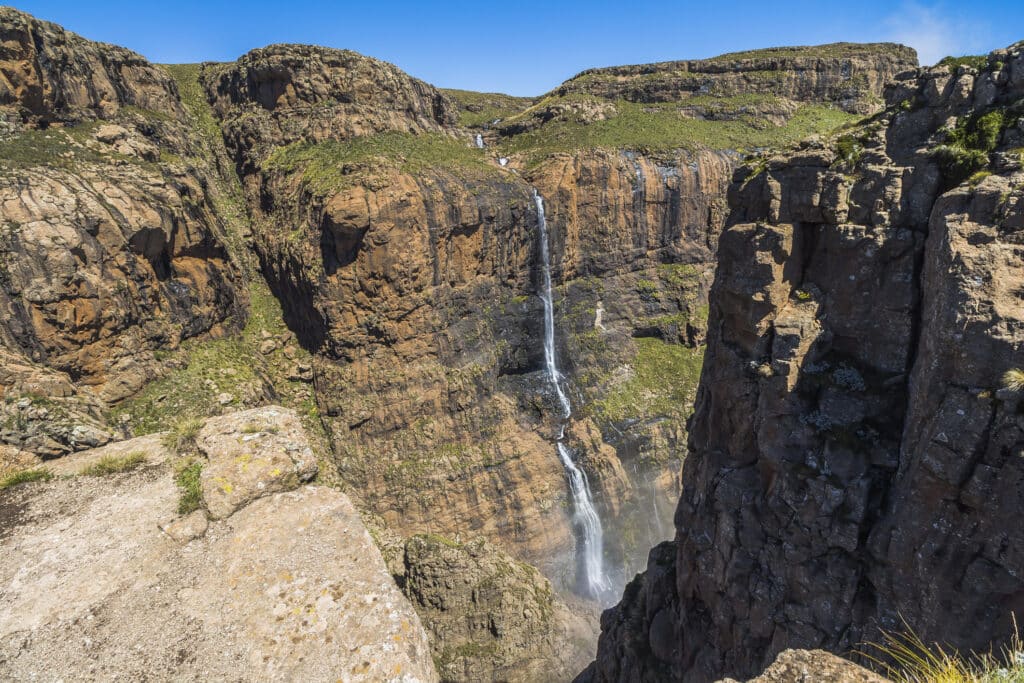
[479, 141]
[586, 517]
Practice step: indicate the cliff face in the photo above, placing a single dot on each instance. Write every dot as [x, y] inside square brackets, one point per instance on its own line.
[408, 261]
[111, 249]
[849, 74]
[854, 455]
[51, 75]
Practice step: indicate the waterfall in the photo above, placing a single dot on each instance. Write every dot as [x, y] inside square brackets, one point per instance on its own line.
[586, 517]
[479, 141]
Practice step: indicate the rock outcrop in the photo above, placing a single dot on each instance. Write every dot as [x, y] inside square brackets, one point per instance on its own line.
[111, 249]
[855, 453]
[49, 75]
[488, 616]
[101, 579]
[850, 74]
[810, 666]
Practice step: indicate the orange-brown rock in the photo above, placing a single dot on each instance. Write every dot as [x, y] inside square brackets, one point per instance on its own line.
[111, 249]
[49, 74]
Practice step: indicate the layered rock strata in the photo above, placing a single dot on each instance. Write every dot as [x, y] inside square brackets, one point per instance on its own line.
[111, 250]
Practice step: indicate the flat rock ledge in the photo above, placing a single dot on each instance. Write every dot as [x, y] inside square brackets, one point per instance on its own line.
[101, 579]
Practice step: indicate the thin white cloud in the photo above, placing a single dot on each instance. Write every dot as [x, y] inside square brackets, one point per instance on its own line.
[933, 32]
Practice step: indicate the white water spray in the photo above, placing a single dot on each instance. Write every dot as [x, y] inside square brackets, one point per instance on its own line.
[479, 141]
[586, 516]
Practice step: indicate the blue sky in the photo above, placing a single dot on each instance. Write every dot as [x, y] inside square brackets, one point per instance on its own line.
[526, 47]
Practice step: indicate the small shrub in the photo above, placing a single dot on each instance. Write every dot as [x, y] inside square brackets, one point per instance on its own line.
[181, 438]
[187, 479]
[24, 477]
[974, 61]
[959, 164]
[114, 465]
[849, 149]
[1013, 379]
[976, 178]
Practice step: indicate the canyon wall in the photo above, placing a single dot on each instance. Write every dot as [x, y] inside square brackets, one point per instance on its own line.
[407, 261]
[111, 250]
[855, 453]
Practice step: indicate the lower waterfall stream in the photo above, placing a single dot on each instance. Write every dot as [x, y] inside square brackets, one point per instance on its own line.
[586, 518]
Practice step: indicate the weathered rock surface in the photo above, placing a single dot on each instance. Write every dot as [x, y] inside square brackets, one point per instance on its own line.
[252, 454]
[855, 453]
[49, 74]
[488, 616]
[285, 93]
[810, 666]
[101, 580]
[111, 249]
[850, 74]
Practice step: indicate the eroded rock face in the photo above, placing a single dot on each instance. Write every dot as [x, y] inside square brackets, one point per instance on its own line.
[854, 452]
[284, 93]
[102, 579]
[850, 74]
[111, 249]
[48, 74]
[490, 617]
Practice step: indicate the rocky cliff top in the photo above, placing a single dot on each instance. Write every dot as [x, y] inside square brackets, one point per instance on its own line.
[110, 572]
[49, 74]
[846, 74]
[281, 94]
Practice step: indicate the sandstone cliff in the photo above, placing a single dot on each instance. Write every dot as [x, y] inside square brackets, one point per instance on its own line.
[111, 248]
[408, 261]
[854, 456]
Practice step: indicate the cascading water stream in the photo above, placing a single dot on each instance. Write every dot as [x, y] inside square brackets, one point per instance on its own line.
[586, 517]
[479, 141]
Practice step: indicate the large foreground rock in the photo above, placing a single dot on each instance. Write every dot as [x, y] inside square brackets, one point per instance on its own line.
[290, 587]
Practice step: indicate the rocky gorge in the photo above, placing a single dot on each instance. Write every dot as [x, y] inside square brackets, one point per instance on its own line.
[305, 290]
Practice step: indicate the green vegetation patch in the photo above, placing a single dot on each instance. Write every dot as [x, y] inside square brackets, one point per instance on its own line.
[974, 61]
[115, 465]
[54, 147]
[333, 165]
[479, 108]
[967, 147]
[188, 480]
[24, 477]
[657, 128]
[663, 383]
[208, 367]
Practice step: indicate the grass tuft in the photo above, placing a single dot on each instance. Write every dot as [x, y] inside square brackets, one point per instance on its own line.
[181, 438]
[115, 465]
[188, 480]
[1013, 379]
[24, 477]
[905, 658]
